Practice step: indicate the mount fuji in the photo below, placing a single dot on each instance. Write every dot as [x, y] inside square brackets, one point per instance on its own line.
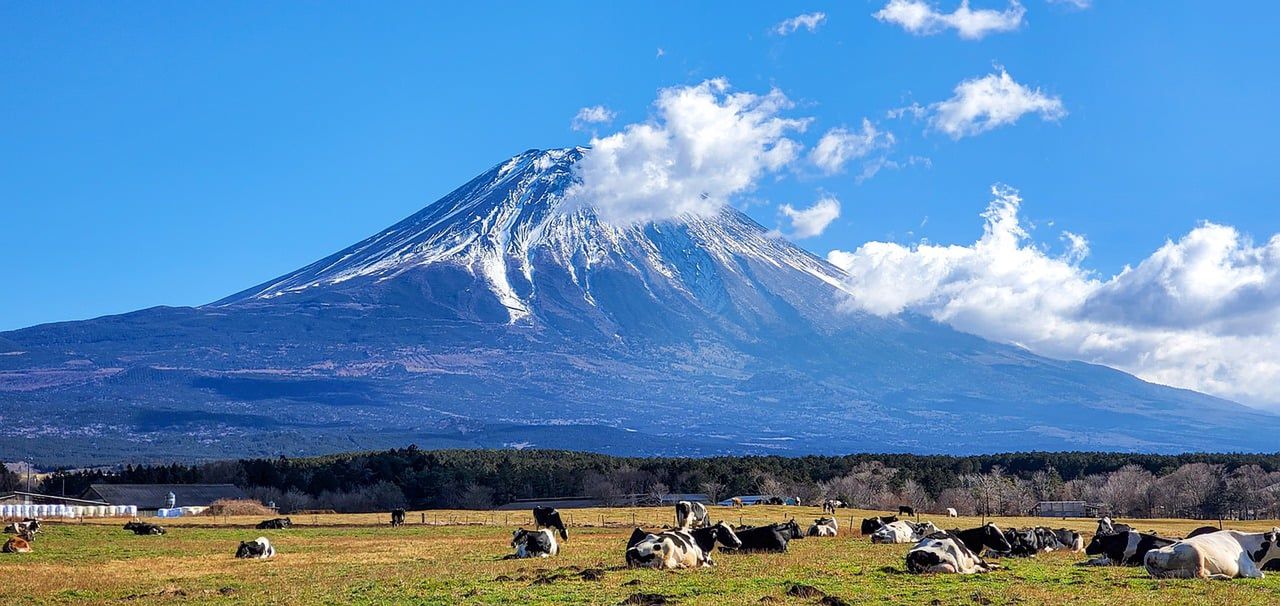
[508, 315]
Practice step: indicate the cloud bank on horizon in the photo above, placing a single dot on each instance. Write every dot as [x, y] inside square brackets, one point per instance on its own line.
[1201, 312]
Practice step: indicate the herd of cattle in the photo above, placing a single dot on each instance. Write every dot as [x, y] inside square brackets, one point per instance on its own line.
[1207, 552]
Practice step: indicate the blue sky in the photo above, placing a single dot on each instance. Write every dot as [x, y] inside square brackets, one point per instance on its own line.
[170, 154]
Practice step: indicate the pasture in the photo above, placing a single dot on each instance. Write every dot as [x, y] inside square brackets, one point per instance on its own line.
[457, 558]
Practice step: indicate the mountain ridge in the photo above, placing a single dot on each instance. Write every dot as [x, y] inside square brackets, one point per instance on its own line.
[499, 317]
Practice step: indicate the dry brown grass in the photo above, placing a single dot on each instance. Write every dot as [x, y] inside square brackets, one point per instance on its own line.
[238, 507]
[455, 557]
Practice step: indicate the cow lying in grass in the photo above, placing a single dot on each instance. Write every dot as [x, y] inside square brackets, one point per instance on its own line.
[1126, 548]
[988, 536]
[275, 524]
[143, 528]
[824, 527]
[16, 545]
[870, 525]
[258, 549]
[534, 543]
[29, 525]
[944, 552]
[1225, 554]
[903, 531]
[772, 538]
[673, 549]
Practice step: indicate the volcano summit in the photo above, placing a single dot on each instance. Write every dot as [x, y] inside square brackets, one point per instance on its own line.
[506, 314]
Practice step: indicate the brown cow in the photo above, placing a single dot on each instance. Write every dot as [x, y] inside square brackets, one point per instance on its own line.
[17, 545]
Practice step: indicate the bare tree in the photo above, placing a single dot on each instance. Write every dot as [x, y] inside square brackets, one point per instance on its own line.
[712, 489]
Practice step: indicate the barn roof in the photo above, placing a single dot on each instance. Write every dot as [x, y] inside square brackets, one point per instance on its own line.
[155, 496]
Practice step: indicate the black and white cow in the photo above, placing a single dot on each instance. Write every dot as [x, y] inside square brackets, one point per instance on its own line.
[691, 515]
[824, 527]
[397, 518]
[987, 536]
[831, 505]
[943, 552]
[548, 517]
[143, 528]
[259, 549]
[906, 510]
[870, 525]
[1069, 539]
[28, 525]
[534, 543]
[771, 538]
[1226, 554]
[673, 549]
[1124, 548]
[275, 524]
[903, 531]
[1106, 526]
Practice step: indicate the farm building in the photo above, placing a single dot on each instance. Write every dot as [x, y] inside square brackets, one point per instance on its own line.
[153, 497]
[19, 497]
[1066, 509]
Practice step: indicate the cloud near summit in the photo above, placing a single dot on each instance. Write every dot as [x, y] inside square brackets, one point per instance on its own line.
[703, 145]
[1201, 312]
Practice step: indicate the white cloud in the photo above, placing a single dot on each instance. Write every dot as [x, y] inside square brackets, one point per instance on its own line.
[703, 146]
[809, 21]
[839, 145]
[1077, 4]
[1202, 312]
[812, 221]
[992, 101]
[596, 114]
[923, 19]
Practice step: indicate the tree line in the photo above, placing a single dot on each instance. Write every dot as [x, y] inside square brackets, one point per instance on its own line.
[1129, 485]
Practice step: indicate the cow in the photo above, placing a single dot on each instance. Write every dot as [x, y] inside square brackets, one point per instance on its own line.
[831, 505]
[903, 531]
[1023, 543]
[1225, 554]
[943, 552]
[535, 543]
[1106, 526]
[1069, 539]
[988, 536]
[679, 548]
[735, 502]
[397, 518]
[16, 545]
[548, 517]
[1202, 530]
[1123, 549]
[257, 549]
[31, 525]
[275, 524]
[951, 512]
[143, 528]
[824, 527]
[691, 515]
[906, 510]
[771, 538]
[870, 525]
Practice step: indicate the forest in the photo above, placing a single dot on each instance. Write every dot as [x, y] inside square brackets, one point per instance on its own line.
[1129, 485]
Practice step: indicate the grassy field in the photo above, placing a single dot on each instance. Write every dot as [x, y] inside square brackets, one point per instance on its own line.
[456, 558]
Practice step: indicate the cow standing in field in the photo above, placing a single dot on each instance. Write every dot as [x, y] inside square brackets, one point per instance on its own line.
[275, 524]
[534, 544]
[830, 506]
[735, 502]
[548, 517]
[906, 510]
[673, 549]
[691, 515]
[824, 527]
[397, 518]
[143, 528]
[257, 549]
[1225, 554]
[951, 512]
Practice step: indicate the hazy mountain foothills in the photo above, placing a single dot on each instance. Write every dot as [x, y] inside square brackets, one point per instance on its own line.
[503, 316]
